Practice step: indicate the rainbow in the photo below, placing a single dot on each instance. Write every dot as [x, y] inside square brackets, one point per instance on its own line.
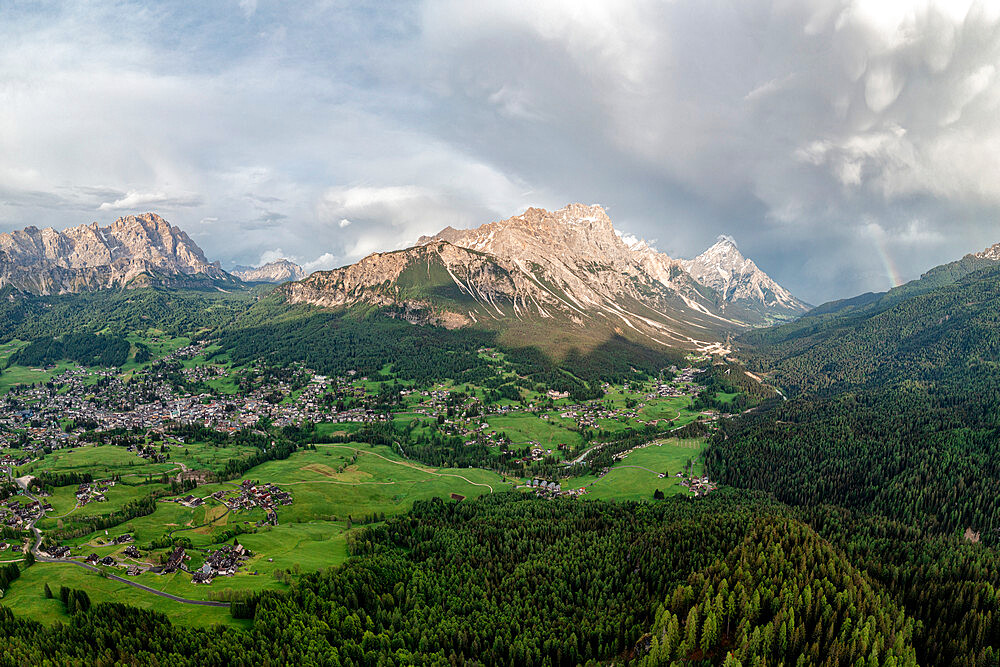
[891, 272]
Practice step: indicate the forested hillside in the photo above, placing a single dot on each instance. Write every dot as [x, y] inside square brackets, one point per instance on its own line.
[896, 413]
[175, 312]
[948, 336]
[367, 340]
[509, 579]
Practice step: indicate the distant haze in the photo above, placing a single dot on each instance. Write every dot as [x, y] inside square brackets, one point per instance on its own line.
[845, 146]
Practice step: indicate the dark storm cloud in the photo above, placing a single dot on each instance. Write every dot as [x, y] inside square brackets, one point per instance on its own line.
[843, 144]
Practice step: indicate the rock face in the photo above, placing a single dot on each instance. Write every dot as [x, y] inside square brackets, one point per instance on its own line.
[739, 281]
[542, 273]
[134, 250]
[992, 253]
[280, 271]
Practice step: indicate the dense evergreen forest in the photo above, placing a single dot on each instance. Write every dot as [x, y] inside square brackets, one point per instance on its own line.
[896, 412]
[734, 579]
[369, 342]
[85, 348]
[176, 312]
[890, 445]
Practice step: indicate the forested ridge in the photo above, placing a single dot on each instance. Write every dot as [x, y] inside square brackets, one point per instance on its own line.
[175, 312]
[898, 414]
[366, 341]
[889, 445]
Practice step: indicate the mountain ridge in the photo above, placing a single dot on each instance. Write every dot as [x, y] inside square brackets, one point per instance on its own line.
[279, 271]
[751, 296]
[135, 249]
[546, 271]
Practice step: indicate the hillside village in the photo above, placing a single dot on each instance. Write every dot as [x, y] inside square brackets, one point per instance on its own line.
[57, 413]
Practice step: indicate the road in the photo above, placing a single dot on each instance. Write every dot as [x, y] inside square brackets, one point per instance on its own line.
[45, 559]
[203, 603]
[583, 456]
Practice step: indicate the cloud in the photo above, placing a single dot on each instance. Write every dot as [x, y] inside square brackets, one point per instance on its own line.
[248, 7]
[794, 126]
[269, 256]
[135, 200]
[324, 262]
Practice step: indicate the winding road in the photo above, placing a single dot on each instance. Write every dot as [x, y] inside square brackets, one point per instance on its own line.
[45, 559]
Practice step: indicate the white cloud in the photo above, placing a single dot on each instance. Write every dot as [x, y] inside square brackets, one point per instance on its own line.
[269, 256]
[135, 200]
[248, 7]
[786, 123]
[324, 262]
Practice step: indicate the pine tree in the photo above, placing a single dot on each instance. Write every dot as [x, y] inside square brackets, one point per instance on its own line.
[731, 661]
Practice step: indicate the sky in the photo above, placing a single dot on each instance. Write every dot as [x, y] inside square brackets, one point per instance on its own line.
[846, 145]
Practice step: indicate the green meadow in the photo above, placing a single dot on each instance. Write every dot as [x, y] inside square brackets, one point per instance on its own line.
[637, 476]
[26, 596]
[549, 433]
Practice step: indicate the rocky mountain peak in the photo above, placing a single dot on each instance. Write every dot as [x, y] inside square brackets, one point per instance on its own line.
[92, 257]
[992, 253]
[278, 271]
[575, 233]
[738, 279]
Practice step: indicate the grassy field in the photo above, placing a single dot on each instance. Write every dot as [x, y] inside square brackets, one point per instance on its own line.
[100, 461]
[103, 461]
[548, 433]
[26, 596]
[64, 514]
[326, 484]
[674, 408]
[311, 546]
[637, 477]
[24, 375]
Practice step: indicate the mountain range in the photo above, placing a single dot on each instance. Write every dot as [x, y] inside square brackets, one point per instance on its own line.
[278, 271]
[559, 276]
[136, 250]
[566, 275]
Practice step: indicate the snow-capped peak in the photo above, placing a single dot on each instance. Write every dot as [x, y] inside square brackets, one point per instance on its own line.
[738, 279]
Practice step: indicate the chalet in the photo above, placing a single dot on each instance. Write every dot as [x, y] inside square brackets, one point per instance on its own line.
[175, 561]
[201, 577]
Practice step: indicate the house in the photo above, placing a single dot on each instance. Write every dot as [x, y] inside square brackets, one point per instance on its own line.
[175, 561]
[201, 577]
